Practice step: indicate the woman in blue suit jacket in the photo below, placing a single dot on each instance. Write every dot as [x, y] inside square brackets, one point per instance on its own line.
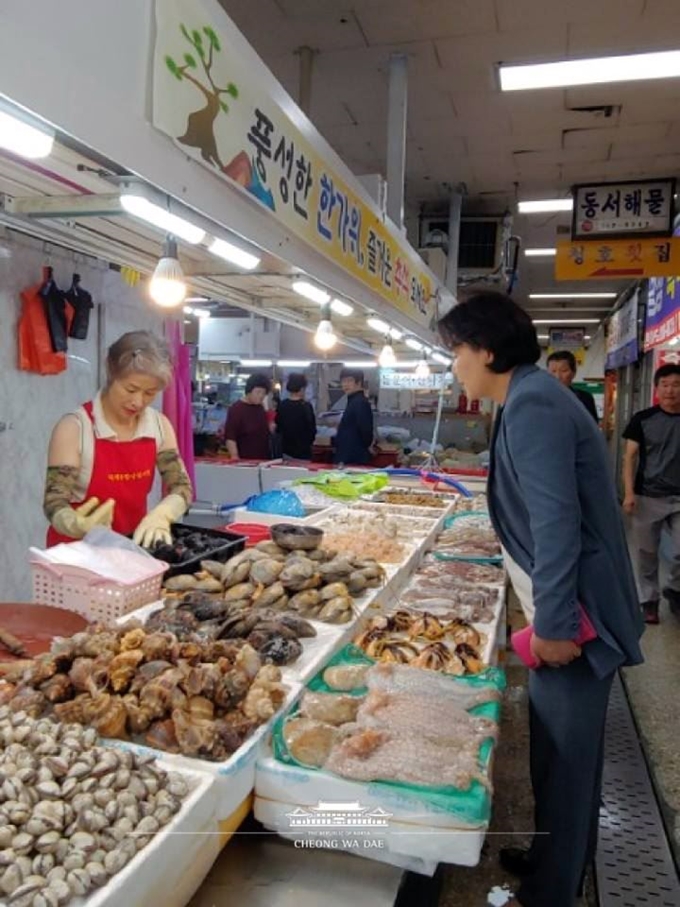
[553, 504]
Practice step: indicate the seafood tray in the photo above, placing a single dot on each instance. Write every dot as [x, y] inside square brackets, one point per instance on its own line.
[352, 516]
[423, 500]
[219, 546]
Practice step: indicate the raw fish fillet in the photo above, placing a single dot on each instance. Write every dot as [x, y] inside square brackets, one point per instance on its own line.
[440, 719]
[427, 685]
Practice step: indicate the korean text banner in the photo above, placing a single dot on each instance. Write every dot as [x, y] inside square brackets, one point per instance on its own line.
[206, 97]
[662, 319]
[622, 335]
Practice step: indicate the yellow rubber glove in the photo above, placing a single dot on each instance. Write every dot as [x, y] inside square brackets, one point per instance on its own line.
[155, 527]
[75, 523]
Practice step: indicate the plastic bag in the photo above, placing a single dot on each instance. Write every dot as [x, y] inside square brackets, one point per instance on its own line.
[346, 485]
[280, 503]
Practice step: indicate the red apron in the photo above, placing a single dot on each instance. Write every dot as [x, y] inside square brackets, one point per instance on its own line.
[122, 470]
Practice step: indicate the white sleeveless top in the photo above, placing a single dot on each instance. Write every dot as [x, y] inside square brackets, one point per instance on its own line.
[150, 425]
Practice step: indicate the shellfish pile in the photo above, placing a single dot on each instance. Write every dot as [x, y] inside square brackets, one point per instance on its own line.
[423, 640]
[72, 814]
[200, 698]
[317, 584]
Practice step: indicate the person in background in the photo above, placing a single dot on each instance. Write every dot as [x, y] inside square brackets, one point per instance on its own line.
[295, 420]
[247, 430]
[651, 481]
[103, 457]
[553, 504]
[352, 443]
[562, 364]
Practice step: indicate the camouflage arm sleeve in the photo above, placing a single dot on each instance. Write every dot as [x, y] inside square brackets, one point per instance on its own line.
[175, 477]
[59, 489]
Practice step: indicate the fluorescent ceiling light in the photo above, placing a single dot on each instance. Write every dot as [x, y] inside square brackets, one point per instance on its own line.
[546, 205]
[395, 333]
[441, 358]
[24, 138]
[591, 71]
[547, 336]
[235, 256]
[309, 291]
[413, 343]
[377, 324]
[340, 307]
[256, 363]
[567, 320]
[540, 253]
[197, 299]
[572, 295]
[361, 363]
[294, 363]
[141, 207]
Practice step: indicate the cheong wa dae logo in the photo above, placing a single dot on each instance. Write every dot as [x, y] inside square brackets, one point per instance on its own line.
[344, 815]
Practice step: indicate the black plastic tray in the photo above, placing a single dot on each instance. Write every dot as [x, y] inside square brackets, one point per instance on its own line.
[227, 544]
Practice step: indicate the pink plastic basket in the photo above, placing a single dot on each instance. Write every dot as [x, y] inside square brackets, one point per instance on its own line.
[94, 597]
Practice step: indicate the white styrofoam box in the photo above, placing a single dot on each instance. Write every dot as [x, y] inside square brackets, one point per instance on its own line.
[173, 865]
[241, 515]
[274, 816]
[224, 483]
[416, 828]
[272, 475]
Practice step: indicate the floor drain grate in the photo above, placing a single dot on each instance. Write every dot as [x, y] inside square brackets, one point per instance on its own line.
[634, 864]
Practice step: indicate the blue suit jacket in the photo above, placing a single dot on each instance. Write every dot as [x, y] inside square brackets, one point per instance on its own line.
[554, 506]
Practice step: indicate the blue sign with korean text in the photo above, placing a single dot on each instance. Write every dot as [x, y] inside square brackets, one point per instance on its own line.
[622, 335]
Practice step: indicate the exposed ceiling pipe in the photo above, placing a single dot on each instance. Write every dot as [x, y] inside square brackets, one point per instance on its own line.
[397, 111]
[306, 55]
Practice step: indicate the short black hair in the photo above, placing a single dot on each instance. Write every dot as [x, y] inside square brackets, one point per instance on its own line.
[665, 371]
[258, 381]
[490, 320]
[563, 356]
[354, 373]
[296, 382]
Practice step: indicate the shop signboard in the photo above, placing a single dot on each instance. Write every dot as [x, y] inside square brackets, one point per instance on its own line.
[632, 208]
[622, 335]
[625, 259]
[662, 321]
[571, 339]
[394, 380]
[207, 97]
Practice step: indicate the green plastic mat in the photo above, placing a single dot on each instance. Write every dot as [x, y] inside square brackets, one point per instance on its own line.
[344, 485]
[448, 522]
[471, 806]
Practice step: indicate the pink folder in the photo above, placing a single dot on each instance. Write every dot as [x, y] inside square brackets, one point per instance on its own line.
[521, 640]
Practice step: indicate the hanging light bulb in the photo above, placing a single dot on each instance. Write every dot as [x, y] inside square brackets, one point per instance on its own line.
[422, 370]
[386, 359]
[325, 338]
[167, 287]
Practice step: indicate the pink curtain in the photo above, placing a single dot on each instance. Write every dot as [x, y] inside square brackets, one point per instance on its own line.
[177, 398]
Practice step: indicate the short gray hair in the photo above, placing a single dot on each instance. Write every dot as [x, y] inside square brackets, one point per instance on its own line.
[139, 352]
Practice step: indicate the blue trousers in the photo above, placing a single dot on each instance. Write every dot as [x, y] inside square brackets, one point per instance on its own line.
[567, 713]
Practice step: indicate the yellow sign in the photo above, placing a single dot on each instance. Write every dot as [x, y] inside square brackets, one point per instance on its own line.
[211, 99]
[627, 259]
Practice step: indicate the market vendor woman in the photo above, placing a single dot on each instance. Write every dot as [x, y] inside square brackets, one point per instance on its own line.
[103, 457]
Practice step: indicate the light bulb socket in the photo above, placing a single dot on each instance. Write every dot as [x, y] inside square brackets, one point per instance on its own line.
[170, 247]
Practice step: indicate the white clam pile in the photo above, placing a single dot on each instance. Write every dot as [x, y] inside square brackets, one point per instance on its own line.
[72, 814]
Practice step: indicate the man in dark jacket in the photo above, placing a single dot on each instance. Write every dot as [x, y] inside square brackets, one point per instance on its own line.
[355, 432]
[554, 506]
[562, 364]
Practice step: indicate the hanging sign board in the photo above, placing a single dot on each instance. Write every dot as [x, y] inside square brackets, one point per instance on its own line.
[571, 339]
[206, 97]
[608, 259]
[394, 380]
[662, 321]
[622, 335]
[634, 208]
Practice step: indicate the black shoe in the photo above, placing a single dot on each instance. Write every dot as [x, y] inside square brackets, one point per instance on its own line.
[672, 596]
[650, 612]
[516, 861]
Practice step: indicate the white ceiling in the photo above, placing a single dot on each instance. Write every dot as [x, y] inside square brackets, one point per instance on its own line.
[461, 128]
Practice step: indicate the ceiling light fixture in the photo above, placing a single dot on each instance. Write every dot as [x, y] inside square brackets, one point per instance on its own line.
[23, 136]
[561, 321]
[422, 369]
[325, 337]
[591, 71]
[167, 287]
[573, 295]
[309, 291]
[256, 363]
[441, 358]
[413, 343]
[540, 253]
[235, 256]
[340, 307]
[377, 324]
[361, 363]
[545, 206]
[396, 334]
[140, 207]
[294, 363]
[387, 359]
